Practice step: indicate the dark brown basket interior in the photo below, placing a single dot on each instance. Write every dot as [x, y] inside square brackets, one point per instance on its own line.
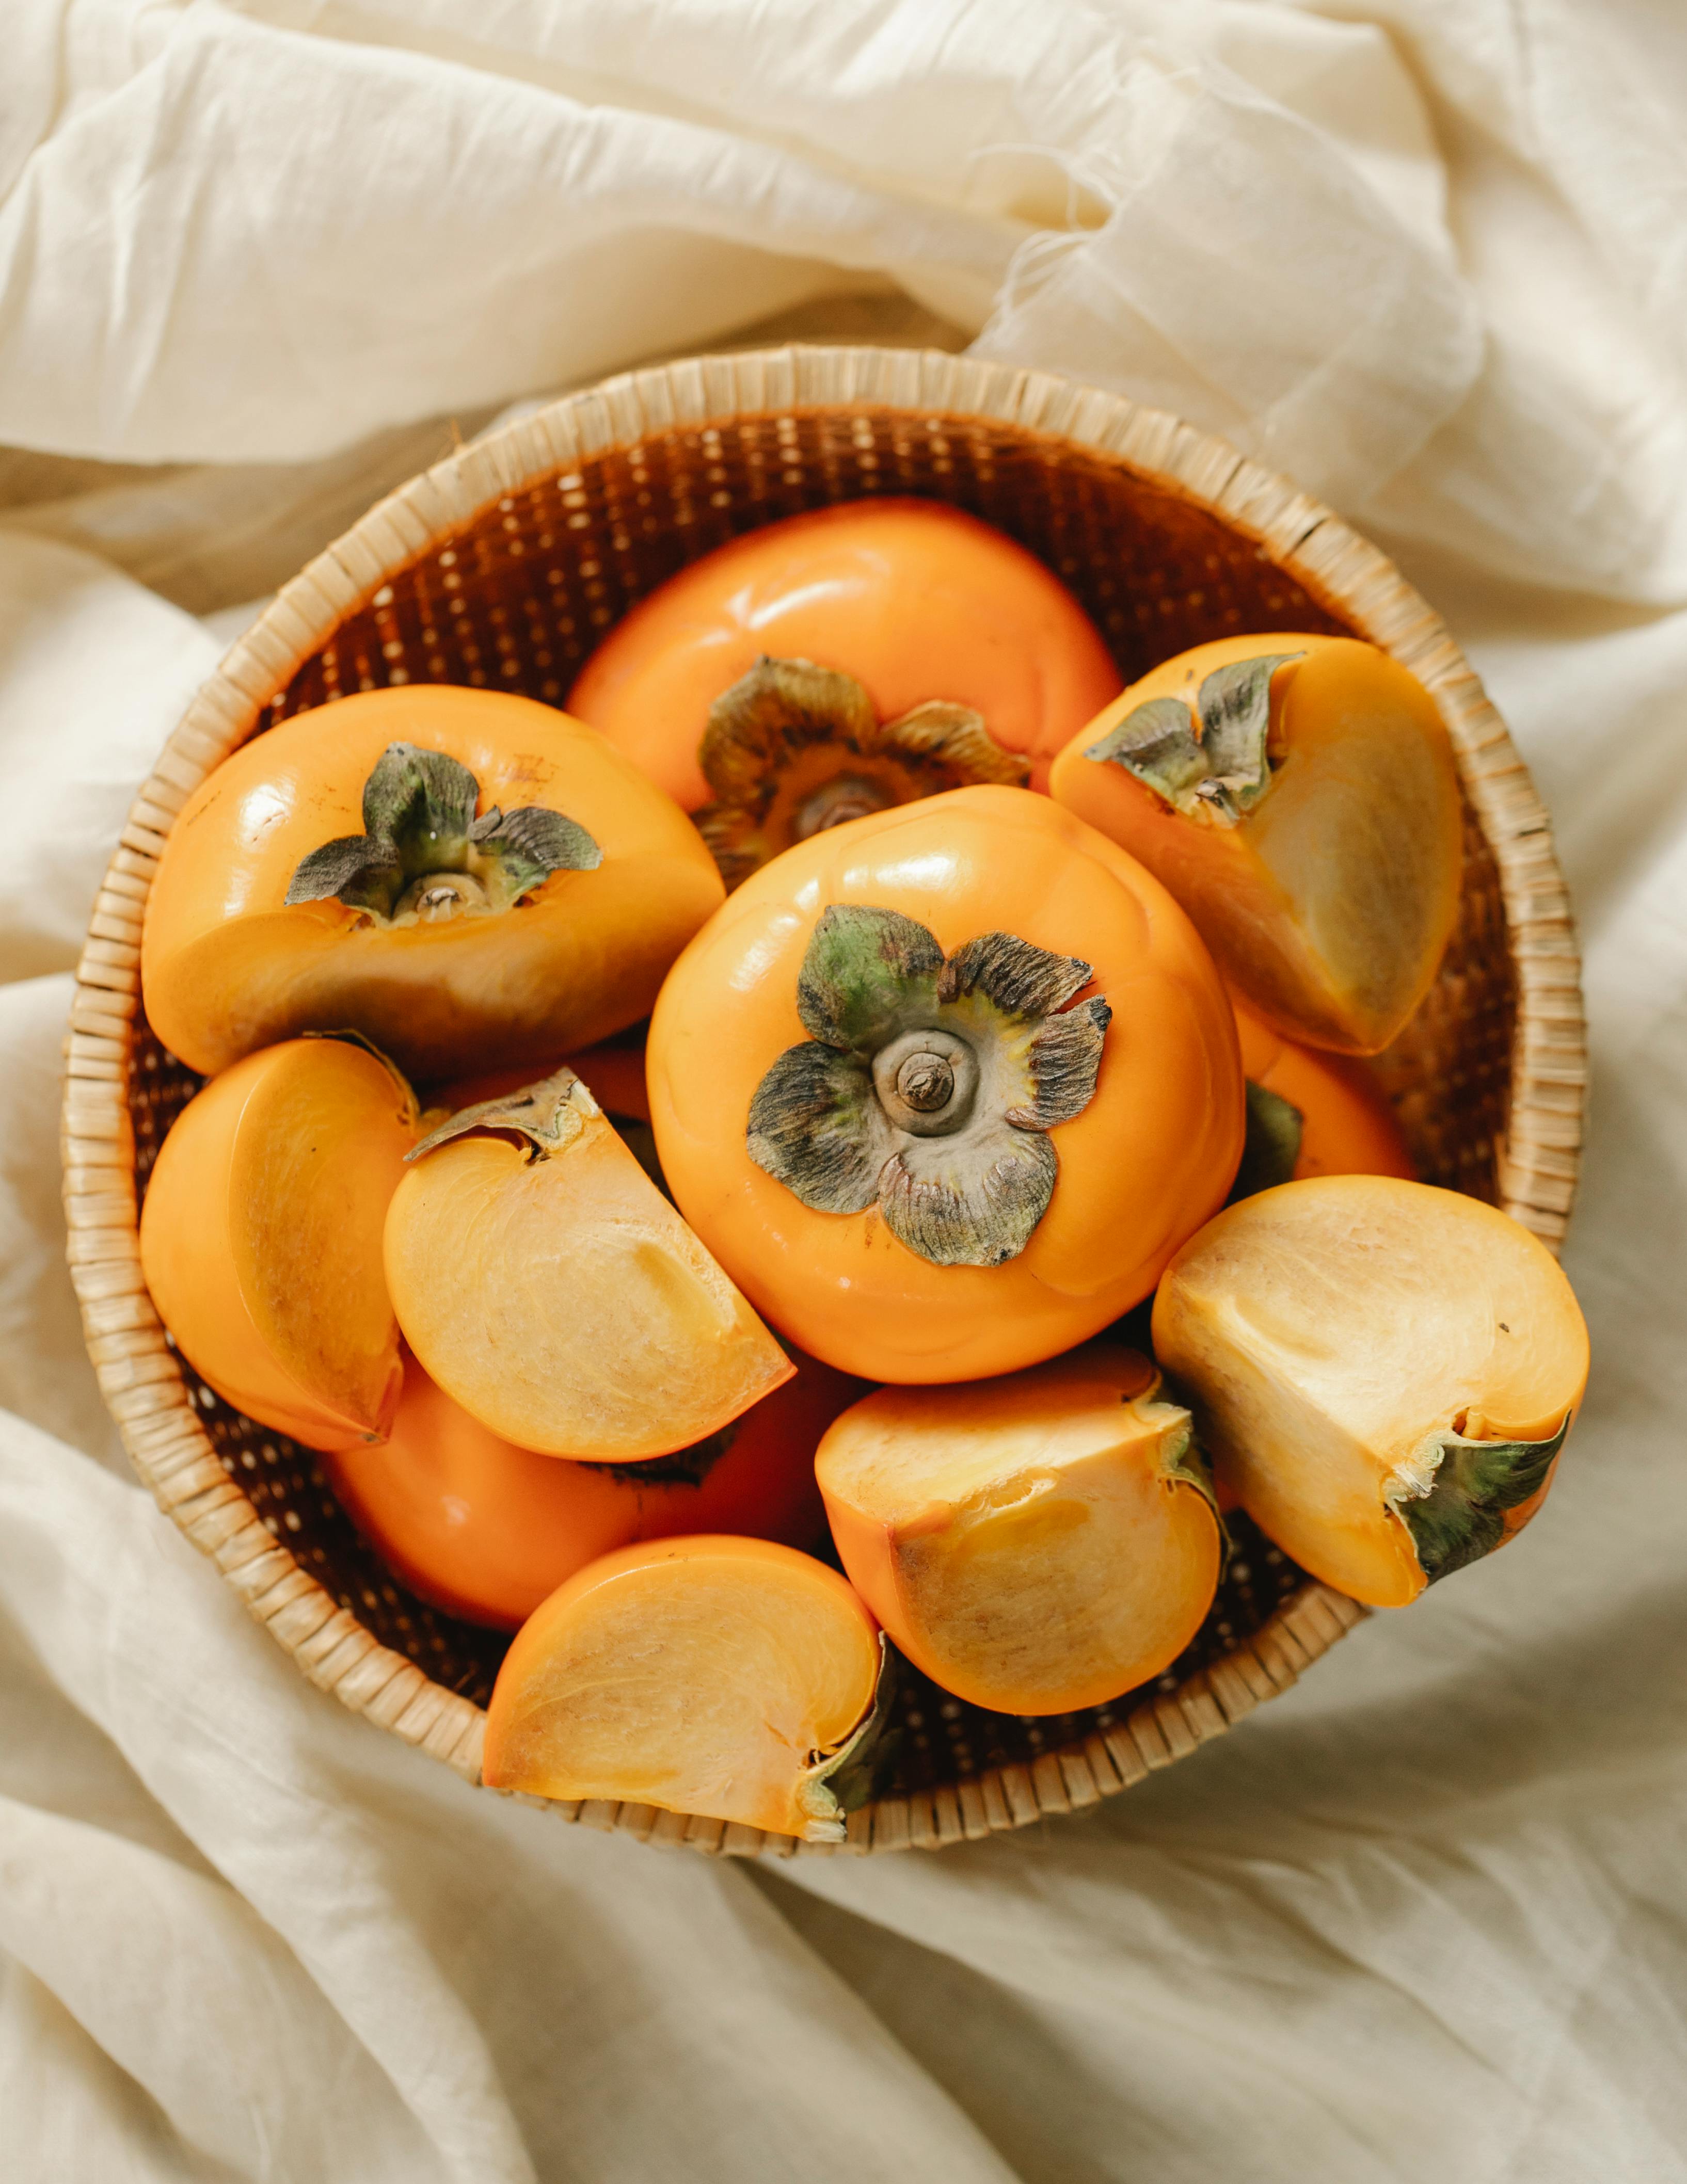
[517, 600]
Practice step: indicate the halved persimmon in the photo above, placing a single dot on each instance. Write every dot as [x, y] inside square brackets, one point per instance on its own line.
[841, 662]
[1310, 1112]
[261, 1232]
[1035, 1544]
[726, 1677]
[546, 1283]
[1383, 1371]
[944, 1088]
[1298, 796]
[468, 879]
[487, 1530]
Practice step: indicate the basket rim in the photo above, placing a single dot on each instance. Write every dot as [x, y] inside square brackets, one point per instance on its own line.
[140, 1376]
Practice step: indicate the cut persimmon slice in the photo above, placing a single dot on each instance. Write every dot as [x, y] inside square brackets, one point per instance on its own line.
[1384, 1373]
[725, 1677]
[260, 1238]
[1035, 1544]
[546, 1283]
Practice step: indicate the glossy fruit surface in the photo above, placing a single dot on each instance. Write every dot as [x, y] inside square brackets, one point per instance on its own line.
[1311, 828]
[260, 1238]
[546, 1283]
[918, 602]
[705, 1675]
[1035, 1543]
[454, 940]
[1345, 1126]
[487, 1530]
[1383, 1371]
[980, 956]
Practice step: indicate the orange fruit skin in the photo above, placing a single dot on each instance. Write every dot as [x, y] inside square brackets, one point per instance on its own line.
[917, 600]
[613, 1075]
[1262, 892]
[227, 966]
[487, 1530]
[1142, 1167]
[1347, 1126]
[301, 1145]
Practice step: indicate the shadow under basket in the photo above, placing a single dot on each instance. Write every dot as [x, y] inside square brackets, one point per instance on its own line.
[502, 568]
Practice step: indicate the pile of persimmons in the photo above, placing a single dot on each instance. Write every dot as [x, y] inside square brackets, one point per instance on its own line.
[630, 1149]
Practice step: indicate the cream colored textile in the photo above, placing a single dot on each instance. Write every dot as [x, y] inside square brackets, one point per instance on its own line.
[1424, 1918]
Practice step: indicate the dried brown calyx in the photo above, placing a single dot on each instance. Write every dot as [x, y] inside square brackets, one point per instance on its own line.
[928, 1087]
[424, 855]
[1212, 762]
[792, 748]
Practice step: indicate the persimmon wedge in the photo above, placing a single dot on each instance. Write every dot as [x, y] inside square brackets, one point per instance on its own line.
[1383, 1372]
[469, 878]
[1035, 1544]
[731, 1678]
[549, 1287]
[488, 1530]
[261, 1238]
[1298, 796]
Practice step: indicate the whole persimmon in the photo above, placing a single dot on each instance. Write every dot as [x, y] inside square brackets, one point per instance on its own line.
[944, 1088]
[465, 877]
[1298, 796]
[841, 662]
[261, 1237]
[1310, 1112]
[487, 1530]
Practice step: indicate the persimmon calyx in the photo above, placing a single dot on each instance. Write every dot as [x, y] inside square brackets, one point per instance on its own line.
[792, 748]
[548, 1115]
[928, 1086]
[1212, 762]
[424, 856]
[1453, 1494]
[834, 1783]
[1271, 1142]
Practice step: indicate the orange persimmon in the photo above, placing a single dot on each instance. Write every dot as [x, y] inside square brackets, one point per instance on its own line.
[1338, 1122]
[733, 1678]
[1298, 796]
[488, 1530]
[260, 1237]
[1036, 1543]
[840, 662]
[1383, 1372]
[463, 876]
[944, 1088]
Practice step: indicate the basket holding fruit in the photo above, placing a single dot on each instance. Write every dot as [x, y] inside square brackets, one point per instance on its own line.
[827, 1176]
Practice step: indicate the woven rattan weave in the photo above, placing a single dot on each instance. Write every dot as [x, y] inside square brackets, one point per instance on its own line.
[501, 568]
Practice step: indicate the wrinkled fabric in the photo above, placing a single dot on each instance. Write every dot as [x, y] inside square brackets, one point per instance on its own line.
[1425, 1918]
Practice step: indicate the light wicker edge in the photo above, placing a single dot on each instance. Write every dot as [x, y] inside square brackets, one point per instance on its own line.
[139, 1374]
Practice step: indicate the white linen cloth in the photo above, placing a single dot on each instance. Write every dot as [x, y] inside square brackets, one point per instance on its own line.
[1425, 1918]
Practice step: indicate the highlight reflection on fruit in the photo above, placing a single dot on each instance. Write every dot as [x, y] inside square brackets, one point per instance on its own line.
[488, 1530]
[546, 1283]
[1298, 796]
[728, 1677]
[468, 879]
[943, 1089]
[842, 662]
[1383, 1371]
[260, 1237]
[1035, 1544]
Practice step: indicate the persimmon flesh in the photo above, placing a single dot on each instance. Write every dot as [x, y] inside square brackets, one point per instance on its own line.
[509, 887]
[1298, 796]
[724, 1677]
[546, 1283]
[261, 1238]
[1035, 1544]
[487, 1530]
[944, 1088]
[1383, 1372]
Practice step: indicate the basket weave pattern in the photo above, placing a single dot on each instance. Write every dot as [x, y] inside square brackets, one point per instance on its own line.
[502, 568]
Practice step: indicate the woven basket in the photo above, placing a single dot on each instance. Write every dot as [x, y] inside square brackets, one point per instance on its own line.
[502, 567]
